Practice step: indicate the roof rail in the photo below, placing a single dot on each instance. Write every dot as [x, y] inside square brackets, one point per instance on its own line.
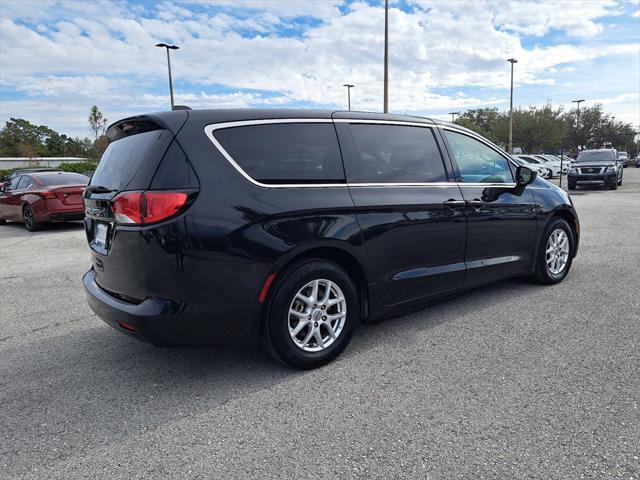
[181, 107]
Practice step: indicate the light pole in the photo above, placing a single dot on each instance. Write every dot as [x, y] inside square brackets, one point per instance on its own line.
[511, 61]
[578, 102]
[169, 47]
[453, 116]
[386, 57]
[349, 87]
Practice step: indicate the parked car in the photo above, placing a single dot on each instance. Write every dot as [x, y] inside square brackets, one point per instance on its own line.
[551, 163]
[290, 227]
[596, 167]
[563, 164]
[530, 159]
[543, 172]
[7, 180]
[622, 156]
[40, 197]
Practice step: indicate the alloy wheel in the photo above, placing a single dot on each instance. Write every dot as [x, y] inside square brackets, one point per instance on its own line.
[557, 252]
[27, 214]
[317, 315]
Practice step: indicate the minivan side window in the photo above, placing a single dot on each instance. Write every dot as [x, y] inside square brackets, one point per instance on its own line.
[281, 153]
[395, 154]
[478, 163]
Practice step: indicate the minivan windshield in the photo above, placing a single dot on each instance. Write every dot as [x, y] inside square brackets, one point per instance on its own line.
[596, 156]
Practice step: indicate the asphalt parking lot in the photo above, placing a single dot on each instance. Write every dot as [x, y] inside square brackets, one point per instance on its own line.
[512, 380]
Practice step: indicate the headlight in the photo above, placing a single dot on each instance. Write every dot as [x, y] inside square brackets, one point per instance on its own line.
[573, 170]
[612, 169]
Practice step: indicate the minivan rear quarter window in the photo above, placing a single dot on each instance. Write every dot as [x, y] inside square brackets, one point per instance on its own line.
[396, 154]
[285, 152]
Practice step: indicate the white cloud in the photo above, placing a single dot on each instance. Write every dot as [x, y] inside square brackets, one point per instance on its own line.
[83, 53]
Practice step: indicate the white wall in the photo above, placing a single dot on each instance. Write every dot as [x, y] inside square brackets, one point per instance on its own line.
[23, 162]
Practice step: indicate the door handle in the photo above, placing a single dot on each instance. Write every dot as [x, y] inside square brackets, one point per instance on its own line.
[455, 203]
[475, 203]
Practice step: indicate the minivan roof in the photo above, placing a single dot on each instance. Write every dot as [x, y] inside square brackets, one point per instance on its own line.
[174, 119]
[240, 114]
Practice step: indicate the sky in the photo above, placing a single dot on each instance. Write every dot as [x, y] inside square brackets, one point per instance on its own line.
[58, 58]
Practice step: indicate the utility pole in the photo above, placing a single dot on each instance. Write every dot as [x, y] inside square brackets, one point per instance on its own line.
[511, 61]
[453, 116]
[169, 47]
[578, 102]
[386, 57]
[349, 87]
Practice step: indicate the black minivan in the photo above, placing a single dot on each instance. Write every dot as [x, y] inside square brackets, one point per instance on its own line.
[290, 227]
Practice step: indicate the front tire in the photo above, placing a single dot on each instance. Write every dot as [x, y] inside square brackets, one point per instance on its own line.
[311, 314]
[572, 186]
[2, 221]
[555, 252]
[30, 220]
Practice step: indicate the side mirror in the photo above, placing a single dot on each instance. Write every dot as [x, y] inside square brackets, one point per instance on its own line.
[524, 176]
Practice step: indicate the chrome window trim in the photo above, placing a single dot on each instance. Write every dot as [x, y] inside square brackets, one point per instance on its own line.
[209, 129]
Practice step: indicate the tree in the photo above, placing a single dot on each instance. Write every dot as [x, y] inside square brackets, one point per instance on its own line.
[18, 131]
[21, 138]
[97, 122]
[485, 121]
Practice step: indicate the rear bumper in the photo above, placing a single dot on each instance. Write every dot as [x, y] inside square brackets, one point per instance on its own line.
[165, 322]
[54, 211]
[146, 318]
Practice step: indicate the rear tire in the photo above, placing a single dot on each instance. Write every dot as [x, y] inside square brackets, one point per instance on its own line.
[298, 328]
[546, 271]
[29, 219]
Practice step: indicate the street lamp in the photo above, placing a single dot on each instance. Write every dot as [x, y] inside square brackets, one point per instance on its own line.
[386, 57]
[349, 87]
[511, 61]
[453, 114]
[169, 47]
[578, 102]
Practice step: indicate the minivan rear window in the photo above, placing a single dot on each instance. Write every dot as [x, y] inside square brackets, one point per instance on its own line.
[285, 152]
[123, 158]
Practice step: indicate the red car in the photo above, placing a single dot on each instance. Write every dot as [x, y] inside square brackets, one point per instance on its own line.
[36, 198]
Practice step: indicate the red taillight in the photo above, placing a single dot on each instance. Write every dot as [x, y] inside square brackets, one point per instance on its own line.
[147, 207]
[48, 194]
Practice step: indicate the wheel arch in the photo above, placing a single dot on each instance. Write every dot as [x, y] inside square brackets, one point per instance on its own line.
[344, 259]
[572, 219]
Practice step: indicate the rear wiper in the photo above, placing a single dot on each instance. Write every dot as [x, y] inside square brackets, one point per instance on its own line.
[99, 189]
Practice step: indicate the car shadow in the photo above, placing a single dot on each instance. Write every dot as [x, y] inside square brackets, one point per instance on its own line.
[65, 393]
[50, 227]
